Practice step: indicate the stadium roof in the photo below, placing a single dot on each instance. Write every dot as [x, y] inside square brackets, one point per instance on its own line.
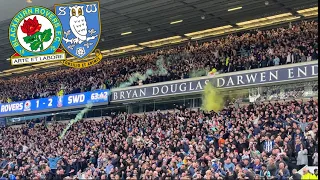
[148, 20]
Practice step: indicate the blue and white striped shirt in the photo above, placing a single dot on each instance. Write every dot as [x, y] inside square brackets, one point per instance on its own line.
[268, 146]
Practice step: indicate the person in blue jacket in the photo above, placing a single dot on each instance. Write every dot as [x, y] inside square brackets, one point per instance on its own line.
[53, 163]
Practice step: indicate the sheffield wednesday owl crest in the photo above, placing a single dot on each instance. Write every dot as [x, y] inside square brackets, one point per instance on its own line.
[81, 32]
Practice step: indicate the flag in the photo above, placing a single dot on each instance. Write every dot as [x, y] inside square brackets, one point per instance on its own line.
[60, 93]
[212, 72]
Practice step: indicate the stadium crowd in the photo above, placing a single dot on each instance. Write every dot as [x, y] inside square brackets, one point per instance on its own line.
[237, 52]
[268, 140]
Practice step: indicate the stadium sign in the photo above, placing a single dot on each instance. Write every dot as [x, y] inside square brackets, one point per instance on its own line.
[229, 80]
[35, 33]
[81, 32]
[55, 103]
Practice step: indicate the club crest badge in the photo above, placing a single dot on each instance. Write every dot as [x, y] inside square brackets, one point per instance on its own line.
[27, 106]
[81, 32]
[35, 33]
[60, 101]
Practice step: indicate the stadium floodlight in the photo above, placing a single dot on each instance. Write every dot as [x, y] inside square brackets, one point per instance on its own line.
[126, 33]
[43, 64]
[5, 74]
[209, 32]
[234, 9]
[176, 22]
[309, 12]
[122, 50]
[270, 22]
[16, 69]
[124, 47]
[160, 40]
[285, 17]
[51, 65]
[164, 41]
[26, 70]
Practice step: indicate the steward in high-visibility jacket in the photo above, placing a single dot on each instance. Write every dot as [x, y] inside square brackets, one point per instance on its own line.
[309, 176]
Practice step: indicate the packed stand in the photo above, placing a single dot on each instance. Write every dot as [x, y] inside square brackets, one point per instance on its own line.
[288, 91]
[237, 52]
[257, 141]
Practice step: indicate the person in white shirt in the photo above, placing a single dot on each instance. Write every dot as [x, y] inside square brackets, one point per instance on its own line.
[24, 148]
[289, 58]
[216, 53]
[315, 159]
[302, 158]
[271, 51]
[309, 57]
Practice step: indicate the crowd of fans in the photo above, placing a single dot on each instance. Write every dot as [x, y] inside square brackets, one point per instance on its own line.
[287, 91]
[270, 140]
[237, 52]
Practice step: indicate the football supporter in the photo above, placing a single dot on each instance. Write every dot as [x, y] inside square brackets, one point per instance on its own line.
[236, 52]
[255, 141]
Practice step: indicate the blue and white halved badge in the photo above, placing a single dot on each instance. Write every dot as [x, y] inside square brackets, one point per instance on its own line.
[81, 30]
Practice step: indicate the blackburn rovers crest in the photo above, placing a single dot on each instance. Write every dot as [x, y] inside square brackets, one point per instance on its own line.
[81, 32]
[35, 33]
[60, 101]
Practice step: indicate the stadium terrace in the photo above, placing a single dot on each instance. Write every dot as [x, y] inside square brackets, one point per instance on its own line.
[147, 115]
